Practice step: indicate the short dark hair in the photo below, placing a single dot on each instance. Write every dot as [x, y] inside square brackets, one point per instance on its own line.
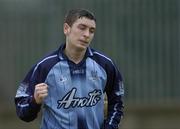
[75, 14]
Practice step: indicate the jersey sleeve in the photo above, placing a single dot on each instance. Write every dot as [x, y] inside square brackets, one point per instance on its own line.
[115, 92]
[26, 107]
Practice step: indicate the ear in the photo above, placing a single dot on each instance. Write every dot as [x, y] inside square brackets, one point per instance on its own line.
[66, 28]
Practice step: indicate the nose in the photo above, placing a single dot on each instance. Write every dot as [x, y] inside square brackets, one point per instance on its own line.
[86, 33]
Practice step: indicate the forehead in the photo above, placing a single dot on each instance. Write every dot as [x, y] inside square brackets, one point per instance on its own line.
[85, 21]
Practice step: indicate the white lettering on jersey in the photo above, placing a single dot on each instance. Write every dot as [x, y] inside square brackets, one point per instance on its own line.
[69, 100]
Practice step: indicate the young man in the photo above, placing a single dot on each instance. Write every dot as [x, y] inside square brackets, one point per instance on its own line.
[70, 82]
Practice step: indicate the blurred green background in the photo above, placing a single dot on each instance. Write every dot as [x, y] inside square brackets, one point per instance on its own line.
[141, 36]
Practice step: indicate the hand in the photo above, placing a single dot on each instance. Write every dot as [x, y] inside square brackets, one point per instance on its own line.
[40, 92]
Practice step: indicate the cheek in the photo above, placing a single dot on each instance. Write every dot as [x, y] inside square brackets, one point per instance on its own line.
[75, 31]
[73, 34]
[77, 34]
[91, 37]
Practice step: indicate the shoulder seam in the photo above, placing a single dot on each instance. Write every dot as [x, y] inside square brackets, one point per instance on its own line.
[48, 57]
[95, 52]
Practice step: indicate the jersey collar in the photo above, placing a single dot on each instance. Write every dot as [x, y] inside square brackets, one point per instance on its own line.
[62, 56]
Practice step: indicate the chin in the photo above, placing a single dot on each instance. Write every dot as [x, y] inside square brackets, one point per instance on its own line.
[83, 46]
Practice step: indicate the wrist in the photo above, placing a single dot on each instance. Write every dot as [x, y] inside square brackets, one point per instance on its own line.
[34, 101]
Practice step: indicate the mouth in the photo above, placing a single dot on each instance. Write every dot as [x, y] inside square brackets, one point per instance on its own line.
[83, 41]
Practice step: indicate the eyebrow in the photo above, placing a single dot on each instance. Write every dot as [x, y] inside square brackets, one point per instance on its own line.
[86, 26]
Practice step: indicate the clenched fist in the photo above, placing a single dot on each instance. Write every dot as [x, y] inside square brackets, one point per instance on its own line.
[40, 92]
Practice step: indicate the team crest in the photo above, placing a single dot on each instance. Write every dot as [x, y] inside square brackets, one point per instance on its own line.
[94, 76]
[63, 79]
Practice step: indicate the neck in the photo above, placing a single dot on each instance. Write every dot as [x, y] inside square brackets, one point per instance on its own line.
[73, 54]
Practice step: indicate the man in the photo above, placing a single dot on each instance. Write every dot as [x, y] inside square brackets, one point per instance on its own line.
[70, 82]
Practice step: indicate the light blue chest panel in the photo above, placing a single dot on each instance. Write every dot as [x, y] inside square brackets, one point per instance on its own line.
[75, 97]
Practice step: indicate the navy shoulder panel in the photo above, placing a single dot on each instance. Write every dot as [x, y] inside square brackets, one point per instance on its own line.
[102, 60]
[43, 67]
[113, 74]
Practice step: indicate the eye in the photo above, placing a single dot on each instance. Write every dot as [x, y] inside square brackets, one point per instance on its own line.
[92, 30]
[82, 27]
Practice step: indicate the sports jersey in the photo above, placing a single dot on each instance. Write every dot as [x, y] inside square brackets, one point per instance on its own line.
[75, 92]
